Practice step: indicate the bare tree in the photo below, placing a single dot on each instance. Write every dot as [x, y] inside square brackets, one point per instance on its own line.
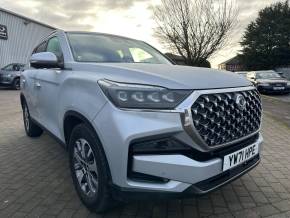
[196, 29]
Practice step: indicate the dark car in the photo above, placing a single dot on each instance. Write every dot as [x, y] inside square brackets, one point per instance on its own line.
[269, 82]
[10, 75]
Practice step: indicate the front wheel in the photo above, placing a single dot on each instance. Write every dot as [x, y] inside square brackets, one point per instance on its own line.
[89, 169]
[16, 84]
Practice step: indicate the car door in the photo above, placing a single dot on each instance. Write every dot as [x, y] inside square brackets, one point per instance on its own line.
[48, 83]
[30, 85]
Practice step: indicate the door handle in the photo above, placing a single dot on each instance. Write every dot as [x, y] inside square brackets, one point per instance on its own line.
[37, 85]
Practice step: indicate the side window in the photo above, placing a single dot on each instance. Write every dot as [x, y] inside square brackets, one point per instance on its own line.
[16, 67]
[54, 47]
[8, 67]
[40, 48]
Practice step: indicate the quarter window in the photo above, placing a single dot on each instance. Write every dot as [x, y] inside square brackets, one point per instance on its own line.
[40, 48]
[54, 47]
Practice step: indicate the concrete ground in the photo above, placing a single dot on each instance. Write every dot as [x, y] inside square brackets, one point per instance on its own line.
[35, 179]
[283, 98]
[277, 107]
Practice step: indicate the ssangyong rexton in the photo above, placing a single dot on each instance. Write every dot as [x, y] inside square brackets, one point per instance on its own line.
[134, 123]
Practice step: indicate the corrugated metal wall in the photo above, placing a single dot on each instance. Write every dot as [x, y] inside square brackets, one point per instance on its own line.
[23, 36]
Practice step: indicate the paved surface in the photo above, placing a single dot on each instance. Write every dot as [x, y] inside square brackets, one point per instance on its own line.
[283, 98]
[277, 107]
[35, 180]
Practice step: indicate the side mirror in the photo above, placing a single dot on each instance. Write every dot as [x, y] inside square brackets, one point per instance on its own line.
[45, 60]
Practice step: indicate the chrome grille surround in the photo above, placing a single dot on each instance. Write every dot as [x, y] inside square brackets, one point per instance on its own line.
[185, 110]
[219, 120]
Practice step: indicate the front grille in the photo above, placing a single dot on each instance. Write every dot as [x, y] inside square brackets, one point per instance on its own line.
[219, 118]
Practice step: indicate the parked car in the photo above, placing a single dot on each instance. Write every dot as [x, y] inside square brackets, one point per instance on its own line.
[242, 73]
[136, 125]
[10, 75]
[269, 82]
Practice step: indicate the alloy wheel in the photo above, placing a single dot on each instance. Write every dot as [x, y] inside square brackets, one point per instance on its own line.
[17, 85]
[85, 167]
[26, 118]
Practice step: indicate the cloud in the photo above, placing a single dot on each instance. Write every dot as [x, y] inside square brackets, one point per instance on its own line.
[113, 4]
[67, 14]
[125, 17]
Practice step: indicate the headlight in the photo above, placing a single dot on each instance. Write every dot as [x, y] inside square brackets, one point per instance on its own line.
[288, 83]
[263, 84]
[142, 96]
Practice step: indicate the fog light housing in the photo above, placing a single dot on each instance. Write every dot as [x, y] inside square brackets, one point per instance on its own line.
[159, 146]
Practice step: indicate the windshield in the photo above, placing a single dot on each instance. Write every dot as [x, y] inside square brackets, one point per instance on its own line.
[8, 67]
[104, 48]
[271, 75]
[13, 67]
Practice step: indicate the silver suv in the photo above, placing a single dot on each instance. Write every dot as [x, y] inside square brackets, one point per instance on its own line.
[135, 124]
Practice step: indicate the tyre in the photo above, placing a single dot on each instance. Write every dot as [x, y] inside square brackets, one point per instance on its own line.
[31, 129]
[89, 169]
[16, 84]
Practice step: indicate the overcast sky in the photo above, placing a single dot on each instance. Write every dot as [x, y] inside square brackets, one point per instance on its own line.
[132, 18]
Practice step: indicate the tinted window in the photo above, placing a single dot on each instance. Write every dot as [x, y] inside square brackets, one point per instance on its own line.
[16, 67]
[54, 47]
[271, 75]
[104, 48]
[8, 67]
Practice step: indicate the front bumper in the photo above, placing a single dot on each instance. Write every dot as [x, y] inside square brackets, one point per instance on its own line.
[5, 81]
[201, 188]
[183, 174]
[179, 167]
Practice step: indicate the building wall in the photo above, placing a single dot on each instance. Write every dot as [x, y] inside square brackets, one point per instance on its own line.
[234, 67]
[23, 36]
[222, 67]
[231, 67]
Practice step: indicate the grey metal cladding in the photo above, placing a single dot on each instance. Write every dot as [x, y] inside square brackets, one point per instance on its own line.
[23, 36]
[221, 118]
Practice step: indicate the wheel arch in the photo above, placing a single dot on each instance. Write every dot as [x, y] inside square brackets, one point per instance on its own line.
[72, 119]
[15, 78]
